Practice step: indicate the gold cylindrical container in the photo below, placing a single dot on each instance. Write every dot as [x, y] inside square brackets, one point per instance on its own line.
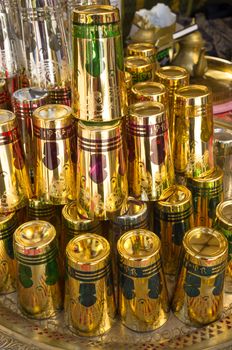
[223, 224]
[102, 188]
[89, 297]
[173, 77]
[8, 224]
[140, 68]
[37, 210]
[149, 91]
[207, 193]
[143, 50]
[15, 186]
[193, 148]
[38, 275]
[55, 150]
[198, 298]
[129, 84]
[99, 88]
[150, 168]
[173, 216]
[143, 300]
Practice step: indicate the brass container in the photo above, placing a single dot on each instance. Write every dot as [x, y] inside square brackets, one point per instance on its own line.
[173, 217]
[89, 297]
[129, 84]
[37, 210]
[99, 88]
[38, 276]
[207, 193]
[223, 157]
[143, 299]
[14, 180]
[8, 224]
[60, 96]
[150, 168]
[143, 50]
[223, 224]
[140, 68]
[193, 148]
[198, 298]
[173, 77]
[55, 150]
[24, 102]
[149, 91]
[102, 188]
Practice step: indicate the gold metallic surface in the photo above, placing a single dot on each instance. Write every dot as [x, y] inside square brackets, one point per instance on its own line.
[129, 84]
[38, 276]
[173, 216]
[89, 297]
[149, 91]
[193, 149]
[198, 298]
[143, 300]
[55, 147]
[37, 210]
[140, 68]
[8, 224]
[102, 187]
[150, 168]
[207, 193]
[143, 50]
[99, 88]
[223, 224]
[14, 179]
[173, 77]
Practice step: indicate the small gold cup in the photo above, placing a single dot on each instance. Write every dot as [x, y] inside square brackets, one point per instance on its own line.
[198, 298]
[89, 297]
[143, 299]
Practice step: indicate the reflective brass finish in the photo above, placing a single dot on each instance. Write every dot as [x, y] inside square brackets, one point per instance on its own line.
[173, 77]
[140, 68]
[89, 297]
[99, 88]
[149, 91]
[223, 224]
[207, 193]
[198, 298]
[102, 187]
[150, 168]
[173, 216]
[193, 149]
[14, 180]
[8, 224]
[143, 300]
[38, 210]
[4, 95]
[55, 147]
[129, 84]
[36, 254]
[143, 50]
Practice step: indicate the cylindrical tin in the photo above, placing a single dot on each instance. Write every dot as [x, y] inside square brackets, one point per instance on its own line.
[150, 169]
[89, 297]
[102, 187]
[140, 68]
[99, 89]
[198, 298]
[173, 216]
[223, 157]
[38, 210]
[129, 84]
[38, 276]
[54, 146]
[14, 179]
[8, 224]
[143, 50]
[223, 224]
[207, 193]
[173, 77]
[143, 299]
[24, 102]
[193, 148]
[149, 91]
[60, 96]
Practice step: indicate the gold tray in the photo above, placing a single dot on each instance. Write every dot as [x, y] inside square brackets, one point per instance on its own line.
[20, 333]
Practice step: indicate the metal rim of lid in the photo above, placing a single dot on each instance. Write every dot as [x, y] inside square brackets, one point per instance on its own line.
[72, 220]
[153, 241]
[87, 238]
[138, 216]
[223, 131]
[6, 117]
[137, 64]
[23, 236]
[5, 220]
[216, 175]
[206, 231]
[95, 14]
[154, 109]
[99, 126]
[172, 190]
[221, 215]
[141, 49]
[181, 73]
[21, 95]
[155, 88]
[199, 92]
[41, 113]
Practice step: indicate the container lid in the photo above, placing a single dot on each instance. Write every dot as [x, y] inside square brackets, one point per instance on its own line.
[146, 109]
[136, 213]
[141, 49]
[205, 246]
[137, 64]
[149, 89]
[52, 112]
[6, 117]
[209, 181]
[95, 14]
[172, 74]
[224, 213]
[176, 198]
[30, 94]
[223, 141]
